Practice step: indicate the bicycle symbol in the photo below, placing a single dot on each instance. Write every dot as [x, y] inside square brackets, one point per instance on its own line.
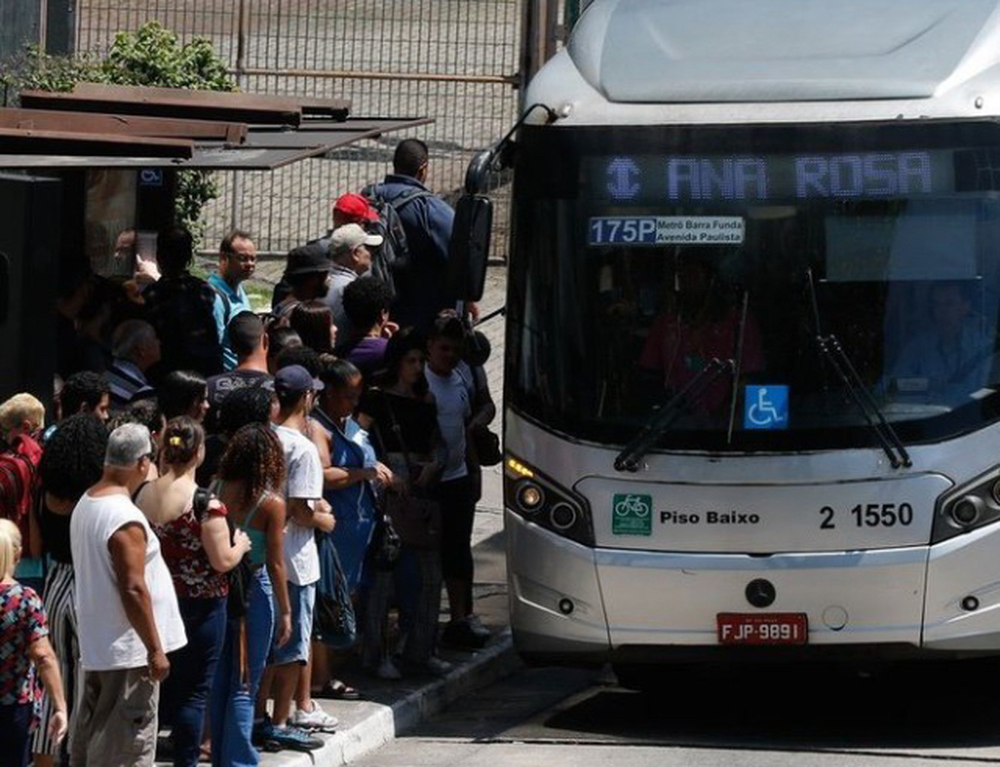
[637, 505]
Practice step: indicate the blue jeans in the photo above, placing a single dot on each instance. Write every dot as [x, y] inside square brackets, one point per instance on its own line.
[184, 695]
[232, 700]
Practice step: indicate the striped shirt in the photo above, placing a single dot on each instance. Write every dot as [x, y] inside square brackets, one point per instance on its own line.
[127, 383]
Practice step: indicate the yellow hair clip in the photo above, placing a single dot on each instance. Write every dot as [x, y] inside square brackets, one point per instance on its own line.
[176, 441]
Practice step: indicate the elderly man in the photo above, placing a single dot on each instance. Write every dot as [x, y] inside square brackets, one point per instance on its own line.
[127, 611]
[135, 349]
[237, 262]
[349, 250]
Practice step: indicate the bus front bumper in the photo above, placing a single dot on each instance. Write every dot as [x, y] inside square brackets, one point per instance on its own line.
[575, 605]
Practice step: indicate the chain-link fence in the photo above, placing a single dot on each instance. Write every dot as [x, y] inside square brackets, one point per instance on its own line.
[453, 60]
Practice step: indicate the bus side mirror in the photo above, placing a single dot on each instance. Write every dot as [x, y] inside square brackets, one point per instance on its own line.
[470, 247]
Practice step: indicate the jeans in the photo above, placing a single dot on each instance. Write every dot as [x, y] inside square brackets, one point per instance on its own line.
[14, 722]
[232, 699]
[192, 670]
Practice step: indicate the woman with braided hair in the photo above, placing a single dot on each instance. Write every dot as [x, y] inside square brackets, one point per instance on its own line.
[251, 478]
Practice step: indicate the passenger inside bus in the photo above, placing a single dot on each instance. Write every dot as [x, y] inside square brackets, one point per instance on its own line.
[953, 357]
[700, 321]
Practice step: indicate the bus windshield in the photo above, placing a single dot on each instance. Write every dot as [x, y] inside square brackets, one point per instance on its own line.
[642, 254]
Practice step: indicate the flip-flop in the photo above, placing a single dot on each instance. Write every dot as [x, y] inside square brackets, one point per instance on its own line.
[337, 690]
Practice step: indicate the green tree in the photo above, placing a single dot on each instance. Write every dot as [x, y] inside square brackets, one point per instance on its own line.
[152, 56]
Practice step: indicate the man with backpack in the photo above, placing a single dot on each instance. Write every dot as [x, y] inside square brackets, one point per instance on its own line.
[426, 222]
[237, 262]
[181, 307]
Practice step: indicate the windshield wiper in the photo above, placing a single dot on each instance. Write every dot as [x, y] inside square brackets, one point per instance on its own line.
[830, 346]
[628, 459]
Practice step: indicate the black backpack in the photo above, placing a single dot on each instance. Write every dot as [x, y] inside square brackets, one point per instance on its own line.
[181, 312]
[392, 260]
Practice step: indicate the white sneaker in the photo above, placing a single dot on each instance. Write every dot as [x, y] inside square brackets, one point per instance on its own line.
[317, 719]
[387, 670]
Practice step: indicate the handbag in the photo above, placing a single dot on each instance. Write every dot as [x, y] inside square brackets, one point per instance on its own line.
[487, 446]
[385, 546]
[416, 518]
[334, 621]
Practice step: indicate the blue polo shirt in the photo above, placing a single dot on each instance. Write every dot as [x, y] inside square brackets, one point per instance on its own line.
[238, 302]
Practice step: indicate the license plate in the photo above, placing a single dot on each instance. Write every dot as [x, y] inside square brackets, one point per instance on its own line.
[762, 628]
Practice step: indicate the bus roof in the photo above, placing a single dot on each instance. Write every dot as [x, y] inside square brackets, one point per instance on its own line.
[717, 52]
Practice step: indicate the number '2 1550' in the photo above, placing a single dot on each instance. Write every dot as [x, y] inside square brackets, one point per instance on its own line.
[871, 515]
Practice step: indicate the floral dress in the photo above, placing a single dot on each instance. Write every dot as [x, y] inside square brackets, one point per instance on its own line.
[180, 540]
[22, 623]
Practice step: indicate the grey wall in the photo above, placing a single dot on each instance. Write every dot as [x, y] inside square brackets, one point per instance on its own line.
[19, 25]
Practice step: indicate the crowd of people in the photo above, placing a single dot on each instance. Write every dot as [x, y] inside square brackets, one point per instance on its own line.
[230, 504]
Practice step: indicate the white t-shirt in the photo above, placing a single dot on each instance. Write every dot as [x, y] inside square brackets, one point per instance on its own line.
[454, 408]
[107, 640]
[305, 480]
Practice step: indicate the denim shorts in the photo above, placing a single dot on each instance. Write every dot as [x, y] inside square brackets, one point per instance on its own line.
[303, 602]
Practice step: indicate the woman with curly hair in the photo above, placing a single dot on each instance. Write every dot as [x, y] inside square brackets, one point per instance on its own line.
[251, 478]
[73, 461]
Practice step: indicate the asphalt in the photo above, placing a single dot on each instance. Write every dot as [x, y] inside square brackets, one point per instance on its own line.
[390, 709]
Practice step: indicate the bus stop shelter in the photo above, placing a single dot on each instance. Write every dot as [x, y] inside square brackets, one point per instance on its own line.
[78, 168]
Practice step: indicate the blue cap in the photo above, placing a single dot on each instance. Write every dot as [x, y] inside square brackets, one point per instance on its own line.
[295, 379]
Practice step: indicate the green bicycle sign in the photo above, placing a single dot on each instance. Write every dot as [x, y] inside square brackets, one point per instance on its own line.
[632, 514]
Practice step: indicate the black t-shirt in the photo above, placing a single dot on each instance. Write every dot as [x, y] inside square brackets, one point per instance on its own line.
[417, 421]
[224, 384]
[55, 533]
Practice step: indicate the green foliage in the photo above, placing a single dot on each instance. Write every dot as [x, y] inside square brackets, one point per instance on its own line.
[150, 56]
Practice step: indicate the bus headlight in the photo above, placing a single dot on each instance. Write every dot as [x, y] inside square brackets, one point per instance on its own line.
[530, 497]
[545, 503]
[969, 507]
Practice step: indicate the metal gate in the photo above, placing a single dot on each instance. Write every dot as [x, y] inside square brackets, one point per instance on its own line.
[454, 60]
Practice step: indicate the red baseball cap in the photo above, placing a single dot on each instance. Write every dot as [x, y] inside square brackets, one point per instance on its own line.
[355, 207]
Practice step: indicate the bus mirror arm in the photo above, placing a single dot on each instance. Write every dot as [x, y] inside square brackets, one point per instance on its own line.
[628, 459]
[845, 370]
[500, 155]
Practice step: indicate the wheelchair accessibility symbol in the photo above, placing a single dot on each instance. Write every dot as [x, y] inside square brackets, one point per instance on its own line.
[765, 407]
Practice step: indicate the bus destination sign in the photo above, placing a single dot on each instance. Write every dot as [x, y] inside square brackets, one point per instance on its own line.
[763, 178]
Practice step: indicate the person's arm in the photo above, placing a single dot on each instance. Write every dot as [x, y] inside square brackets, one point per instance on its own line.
[273, 511]
[340, 477]
[128, 558]
[317, 515]
[484, 410]
[35, 535]
[440, 221]
[222, 555]
[44, 659]
[219, 315]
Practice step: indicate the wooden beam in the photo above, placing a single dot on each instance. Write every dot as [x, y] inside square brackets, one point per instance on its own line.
[127, 125]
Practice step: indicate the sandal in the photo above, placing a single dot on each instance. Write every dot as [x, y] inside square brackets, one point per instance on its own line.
[337, 690]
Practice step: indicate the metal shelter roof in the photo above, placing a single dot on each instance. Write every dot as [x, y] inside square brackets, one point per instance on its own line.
[101, 126]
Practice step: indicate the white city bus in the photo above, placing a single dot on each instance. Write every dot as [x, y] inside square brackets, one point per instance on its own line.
[752, 381]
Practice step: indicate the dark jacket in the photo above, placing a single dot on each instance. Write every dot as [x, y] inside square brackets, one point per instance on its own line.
[427, 221]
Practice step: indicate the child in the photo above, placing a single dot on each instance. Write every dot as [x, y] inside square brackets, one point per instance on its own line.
[23, 641]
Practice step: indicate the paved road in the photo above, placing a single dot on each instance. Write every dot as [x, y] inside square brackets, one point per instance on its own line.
[777, 716]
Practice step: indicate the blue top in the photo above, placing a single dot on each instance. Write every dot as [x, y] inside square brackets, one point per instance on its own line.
[238, 302]
[428, 222]
[354, 506]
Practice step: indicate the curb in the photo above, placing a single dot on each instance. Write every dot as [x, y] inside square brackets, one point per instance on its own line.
[381, 723]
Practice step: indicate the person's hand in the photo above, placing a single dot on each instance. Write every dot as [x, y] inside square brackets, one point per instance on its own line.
[427, 475]
[390, 329]
[58, 725]
[384, 475]
[472, 309]
[146, 271]
[322, 506]
[241, 542]
[284, 630]
[159, 666]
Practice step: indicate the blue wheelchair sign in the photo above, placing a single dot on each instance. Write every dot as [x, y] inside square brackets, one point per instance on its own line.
[765, 407]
